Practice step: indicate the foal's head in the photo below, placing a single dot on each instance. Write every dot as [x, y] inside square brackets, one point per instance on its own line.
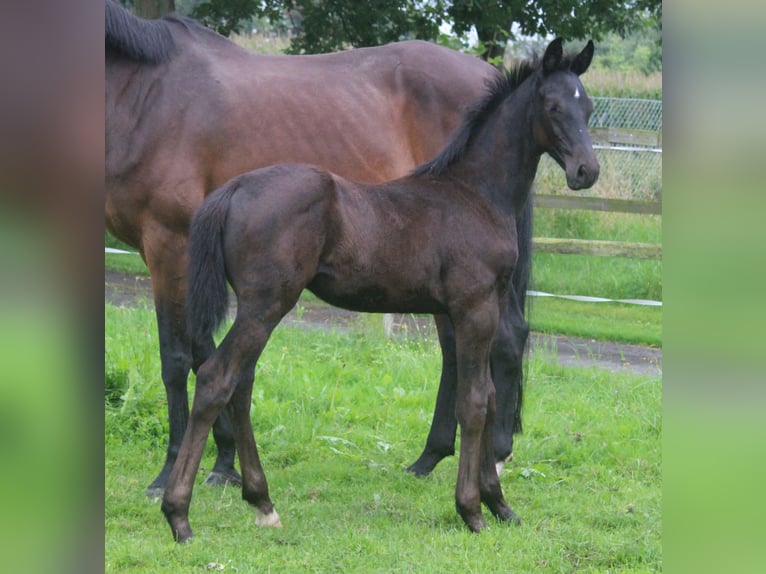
[561, 121]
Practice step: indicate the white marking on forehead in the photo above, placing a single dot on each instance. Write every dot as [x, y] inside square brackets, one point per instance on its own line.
[577, 93]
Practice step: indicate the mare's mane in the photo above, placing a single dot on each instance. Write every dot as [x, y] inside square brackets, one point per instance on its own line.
[474, 117]
[148, 41]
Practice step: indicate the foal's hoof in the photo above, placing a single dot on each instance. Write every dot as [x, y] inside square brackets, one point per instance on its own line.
[270, 520]
[476, 523]
[217, 478]
[506, 514]
[183, 536]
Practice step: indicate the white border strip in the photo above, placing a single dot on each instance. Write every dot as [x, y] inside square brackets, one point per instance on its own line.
[628, 148]
[588, 299]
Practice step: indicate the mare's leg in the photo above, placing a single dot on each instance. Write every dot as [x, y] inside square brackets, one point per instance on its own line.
[441, 438]
[167, 264]
[474, 400]
[507, 362]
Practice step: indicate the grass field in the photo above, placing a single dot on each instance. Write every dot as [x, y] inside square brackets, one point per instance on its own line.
[338, 416]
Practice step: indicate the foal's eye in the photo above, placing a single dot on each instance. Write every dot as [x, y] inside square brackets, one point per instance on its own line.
[553, 107]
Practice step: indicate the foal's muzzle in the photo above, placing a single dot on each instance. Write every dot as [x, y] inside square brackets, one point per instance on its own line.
[582, 174]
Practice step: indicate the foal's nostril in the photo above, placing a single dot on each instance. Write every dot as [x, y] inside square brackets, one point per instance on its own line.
[582, 171]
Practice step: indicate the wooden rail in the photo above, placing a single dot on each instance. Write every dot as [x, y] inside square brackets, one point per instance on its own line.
[592, 246]
[598, 204]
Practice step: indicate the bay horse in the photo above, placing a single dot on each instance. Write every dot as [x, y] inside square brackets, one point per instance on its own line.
[441, 240]
[187, 109]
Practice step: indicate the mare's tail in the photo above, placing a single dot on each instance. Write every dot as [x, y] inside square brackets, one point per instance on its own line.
[207, 297]
[520, 281]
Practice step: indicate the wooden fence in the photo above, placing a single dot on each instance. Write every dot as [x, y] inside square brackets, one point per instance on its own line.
[592, 246]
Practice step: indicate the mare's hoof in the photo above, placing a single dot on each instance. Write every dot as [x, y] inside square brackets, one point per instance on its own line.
[500, 464]
[155, 491]
[425, 464]
[231, 478]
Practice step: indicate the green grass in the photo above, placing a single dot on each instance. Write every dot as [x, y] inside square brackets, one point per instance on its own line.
[620, 323]
[338, 416]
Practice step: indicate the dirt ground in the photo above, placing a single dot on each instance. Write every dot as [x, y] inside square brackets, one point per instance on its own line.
[128, 290]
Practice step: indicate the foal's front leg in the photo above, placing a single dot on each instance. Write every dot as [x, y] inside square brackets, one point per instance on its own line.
[474, 331]
[489, 482]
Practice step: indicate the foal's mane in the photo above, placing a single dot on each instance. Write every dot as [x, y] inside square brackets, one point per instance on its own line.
[474, 117]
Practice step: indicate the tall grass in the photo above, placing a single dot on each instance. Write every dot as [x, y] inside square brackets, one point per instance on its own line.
[338, 416]
[616, 84]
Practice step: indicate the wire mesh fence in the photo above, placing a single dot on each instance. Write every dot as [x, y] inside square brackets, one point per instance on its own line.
[627, 137]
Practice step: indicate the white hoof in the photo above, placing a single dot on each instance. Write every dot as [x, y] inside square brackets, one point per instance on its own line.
[270, 520]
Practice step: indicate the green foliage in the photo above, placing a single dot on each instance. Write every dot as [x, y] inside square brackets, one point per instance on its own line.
[338, 416]
[326, 25]
[227, 16]
[639, 51]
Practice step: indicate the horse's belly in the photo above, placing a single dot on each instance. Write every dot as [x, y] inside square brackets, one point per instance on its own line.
[357, 293]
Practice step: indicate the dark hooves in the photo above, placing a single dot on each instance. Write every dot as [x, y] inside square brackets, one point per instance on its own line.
[425, 464]
[507, 515]
[418, 470]
[231, 478]
[155, 491]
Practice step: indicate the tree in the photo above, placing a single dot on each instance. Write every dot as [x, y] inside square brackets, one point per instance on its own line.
[153, 8]
[326, 25]
[494, 20]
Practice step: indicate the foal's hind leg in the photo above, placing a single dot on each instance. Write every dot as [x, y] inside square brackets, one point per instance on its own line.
[255, 488]
[223, 470]
[229, 367]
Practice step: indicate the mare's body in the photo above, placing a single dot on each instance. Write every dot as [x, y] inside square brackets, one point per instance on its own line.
[441, 240]
[186, 110]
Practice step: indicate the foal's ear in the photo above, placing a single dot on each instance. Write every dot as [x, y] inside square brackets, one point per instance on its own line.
[583, 59]
[552, 56]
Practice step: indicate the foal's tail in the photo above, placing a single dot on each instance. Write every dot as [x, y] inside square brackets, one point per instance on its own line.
[207, 298]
